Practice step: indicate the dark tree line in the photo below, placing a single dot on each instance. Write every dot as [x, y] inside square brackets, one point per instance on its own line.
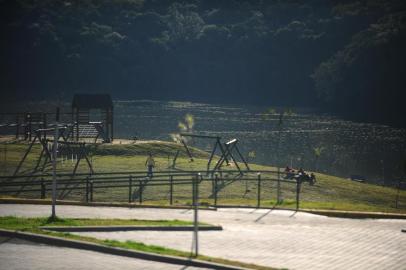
[345, 57]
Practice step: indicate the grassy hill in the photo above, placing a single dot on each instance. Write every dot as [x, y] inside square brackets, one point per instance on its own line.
[329, 192]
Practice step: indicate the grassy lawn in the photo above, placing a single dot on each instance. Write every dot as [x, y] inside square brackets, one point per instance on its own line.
[329, 192]
[17, 223]
[33, 225]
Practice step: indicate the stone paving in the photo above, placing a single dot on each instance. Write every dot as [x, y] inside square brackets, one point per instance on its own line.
[273, 238]
[18, 254]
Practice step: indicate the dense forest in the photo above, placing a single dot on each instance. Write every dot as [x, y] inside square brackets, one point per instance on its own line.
[343, 57]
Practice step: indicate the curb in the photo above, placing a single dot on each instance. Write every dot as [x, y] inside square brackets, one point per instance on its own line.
[354, 214]
[95, 204]
[128, 228]
[61, 242]
[330, 213]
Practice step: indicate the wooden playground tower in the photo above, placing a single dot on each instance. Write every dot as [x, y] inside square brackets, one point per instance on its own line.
[87, 106]
[91, 118]
[39, 128]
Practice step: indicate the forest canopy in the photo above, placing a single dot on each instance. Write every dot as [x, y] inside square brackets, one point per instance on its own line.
[343, 57]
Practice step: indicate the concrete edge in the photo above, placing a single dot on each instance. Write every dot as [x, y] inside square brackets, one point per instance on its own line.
[355, 214]
[95, 204]
[62, 242]
[330, 213]
[128, 228]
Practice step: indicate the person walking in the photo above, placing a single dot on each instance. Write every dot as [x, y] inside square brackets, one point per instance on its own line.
[150, 163]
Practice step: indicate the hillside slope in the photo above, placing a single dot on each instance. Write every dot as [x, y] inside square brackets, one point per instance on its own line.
[329, 192]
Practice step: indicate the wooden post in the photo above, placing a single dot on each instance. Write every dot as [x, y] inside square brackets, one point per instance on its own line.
[259, 190]
[130, 189]
[171, 190]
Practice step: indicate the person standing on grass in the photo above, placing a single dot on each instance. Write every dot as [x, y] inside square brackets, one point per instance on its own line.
[150, 163]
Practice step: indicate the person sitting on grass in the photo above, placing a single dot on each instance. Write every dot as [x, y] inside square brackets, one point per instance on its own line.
[290, 173]
[150, 163]
[303, 176]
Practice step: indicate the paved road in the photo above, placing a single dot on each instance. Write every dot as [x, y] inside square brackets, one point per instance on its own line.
[273, 238]
[20, 254]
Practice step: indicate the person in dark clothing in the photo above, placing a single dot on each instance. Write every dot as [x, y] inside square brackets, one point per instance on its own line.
[150, 163]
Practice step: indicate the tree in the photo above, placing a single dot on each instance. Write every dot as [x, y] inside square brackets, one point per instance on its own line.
[184, 127]
[317, 151]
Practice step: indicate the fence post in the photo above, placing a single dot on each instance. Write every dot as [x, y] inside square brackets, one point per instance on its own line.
[171, 190]
[91, 191]
[298, 183]
[130, 188]
[198, 179]
[195, 186]
[397, 194]
[278, 190]
[87, 189]
[140, 188]
[17, 127]
[259, 191]
[215, 189]
[43, 190]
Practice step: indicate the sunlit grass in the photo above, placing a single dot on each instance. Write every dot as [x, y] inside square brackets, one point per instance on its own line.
[19, 223]
[329, 192]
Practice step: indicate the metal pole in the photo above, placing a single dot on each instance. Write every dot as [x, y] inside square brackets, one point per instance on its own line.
[278, 190]
[91, 191]
[17, 127]
[215, 189]
[140, 192]
[42, 189]
[54, 157]
[87, 189]
[196, 209]
[259, 191]
[171, 190]
[298, 193]
[397, 194]
[130, 189]
[5, 159]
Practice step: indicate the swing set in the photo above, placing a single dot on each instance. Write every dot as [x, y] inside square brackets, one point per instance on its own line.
[227, 152]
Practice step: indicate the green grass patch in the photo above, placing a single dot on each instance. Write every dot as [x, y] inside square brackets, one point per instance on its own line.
[329, 193]
[18, 223]
[157, 148]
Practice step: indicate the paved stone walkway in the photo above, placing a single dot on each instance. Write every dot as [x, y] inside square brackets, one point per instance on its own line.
[16, 254]
[273, 238]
